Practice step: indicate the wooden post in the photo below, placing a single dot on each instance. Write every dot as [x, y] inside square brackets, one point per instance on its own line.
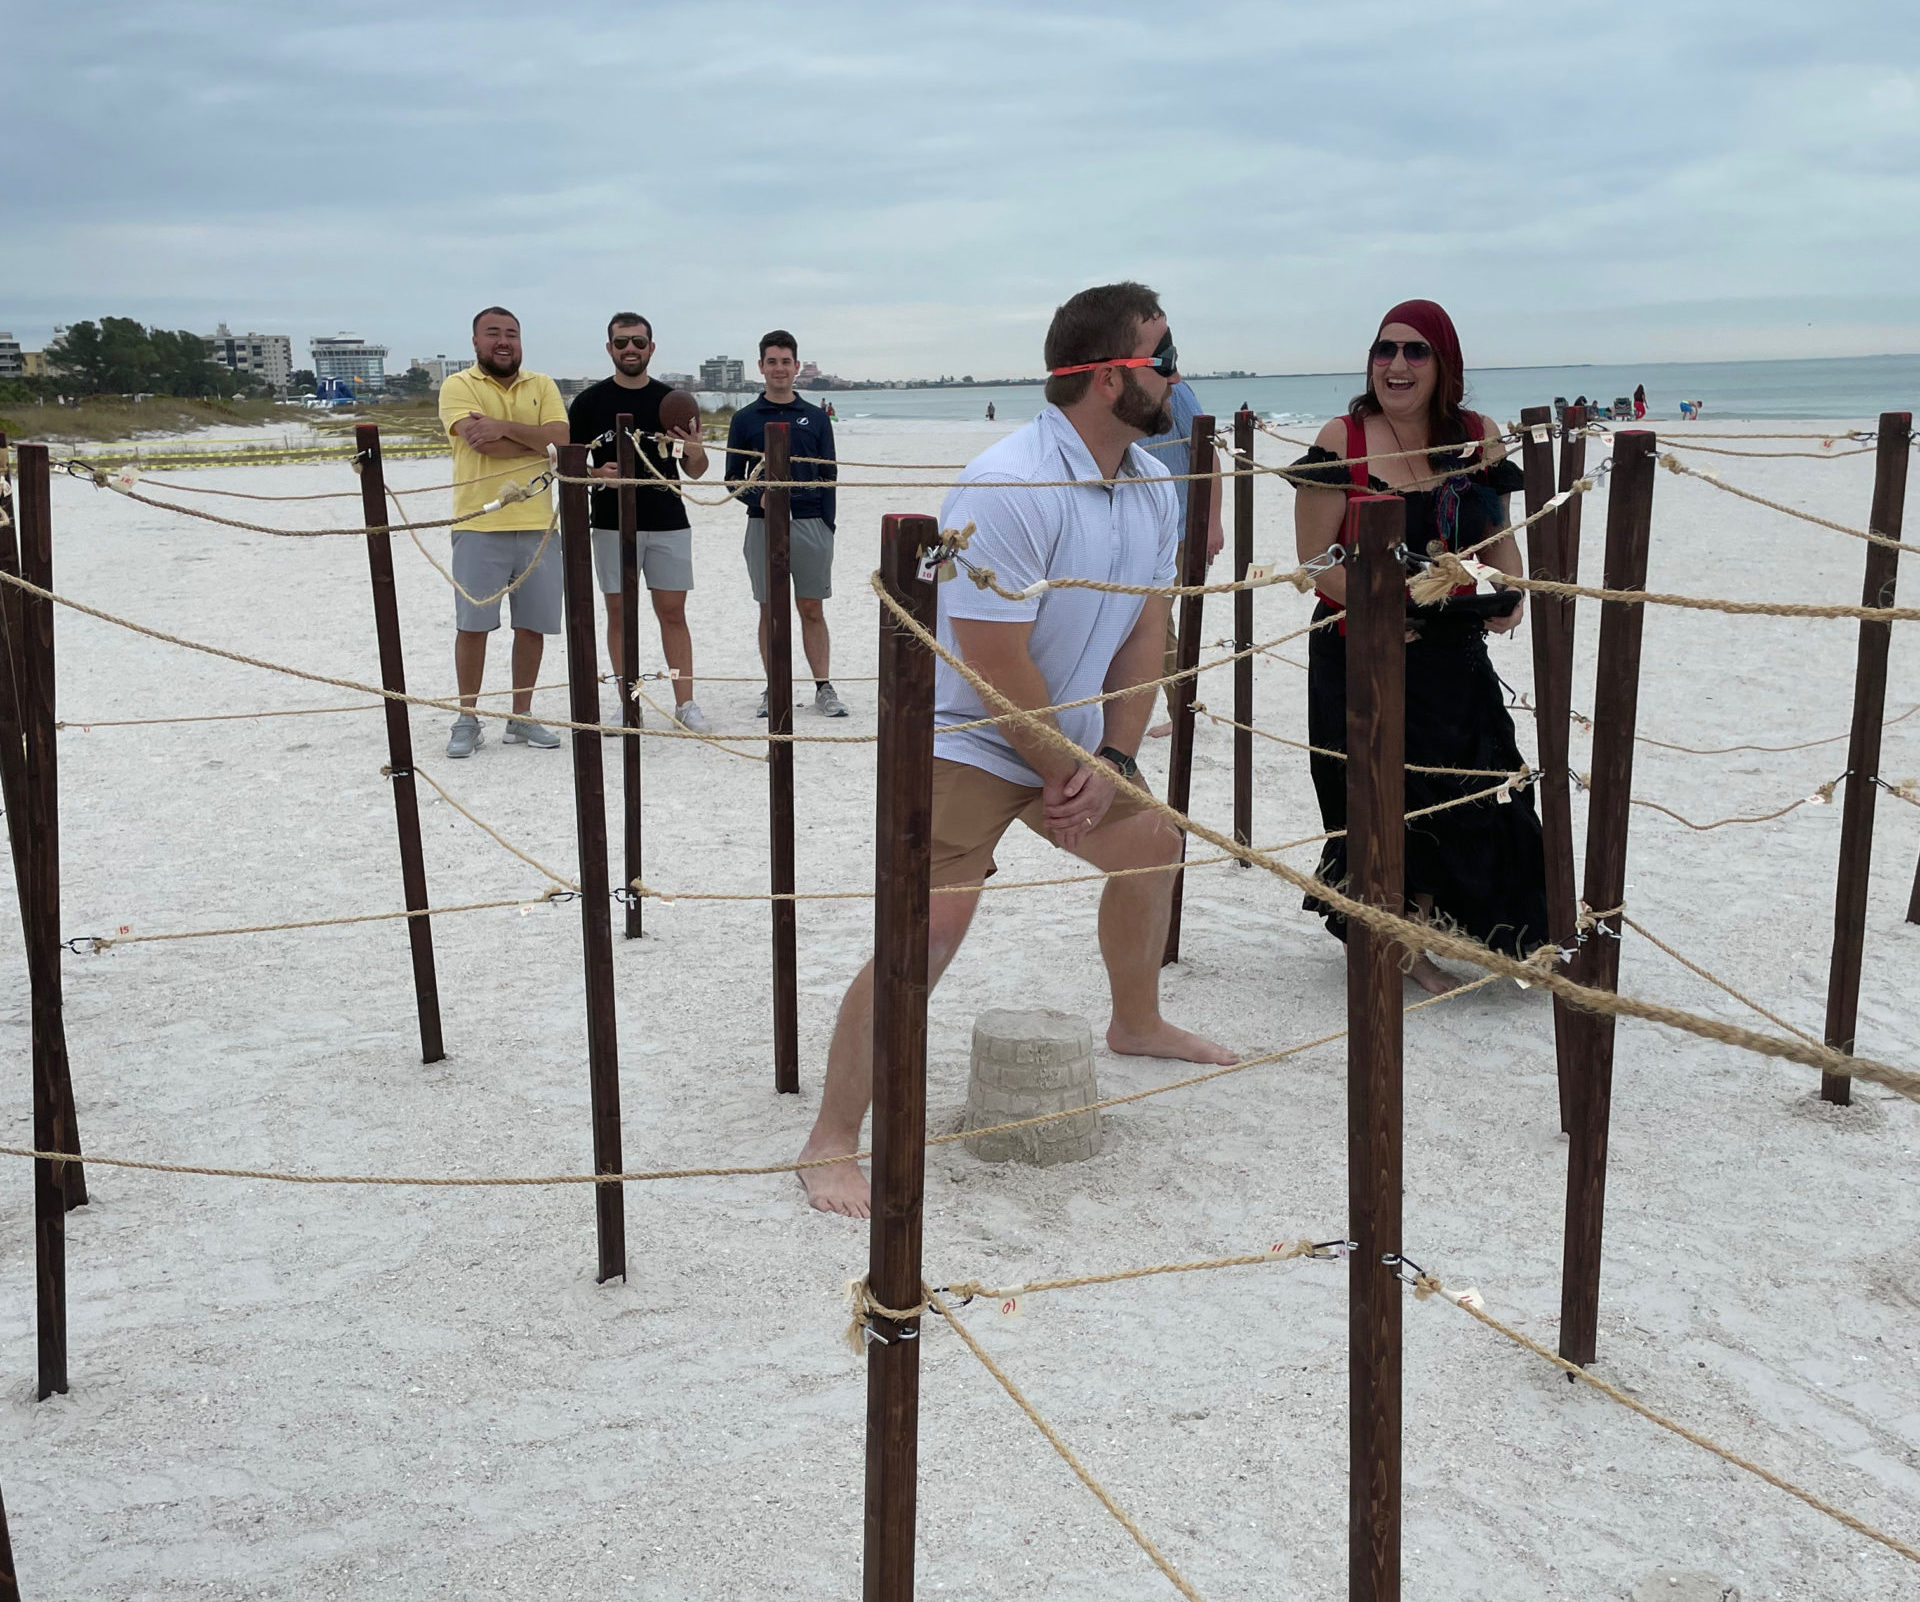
[1193, 570]
[53, 1120]
[1562, 611]
[1243, 629]
[1863, 751]
[904, 838]
[629, 675]
[9, 1583]
[1376, 864]
[393, 676]
[1597, 964]
[590, 817]
[778, 506]
[1913, 901]
[13, 751]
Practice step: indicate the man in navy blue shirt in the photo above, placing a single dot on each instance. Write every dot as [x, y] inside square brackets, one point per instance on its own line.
[810, 435]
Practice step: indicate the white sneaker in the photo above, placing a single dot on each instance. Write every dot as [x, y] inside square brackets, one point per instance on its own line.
[689, 716]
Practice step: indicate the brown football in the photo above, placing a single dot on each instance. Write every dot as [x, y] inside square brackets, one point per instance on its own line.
[678, 409]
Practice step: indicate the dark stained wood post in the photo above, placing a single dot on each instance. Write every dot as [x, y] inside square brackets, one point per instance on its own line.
[1552, 688]
[628, 676]
[1913, 901]
[9, 1582]
[393, 676]
[1193, 570]
[1863, 751]
[1243, 628]
[1597, 963]
[53, 1120]
[903, 849]
[13, 751]
[1561, 610]
[778, 507]
[590, 818]
[1376, 863]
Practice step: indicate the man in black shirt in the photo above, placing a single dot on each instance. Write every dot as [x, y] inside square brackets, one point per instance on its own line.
[665, 542]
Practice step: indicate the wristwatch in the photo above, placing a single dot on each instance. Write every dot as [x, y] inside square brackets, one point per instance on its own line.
[1129, 769]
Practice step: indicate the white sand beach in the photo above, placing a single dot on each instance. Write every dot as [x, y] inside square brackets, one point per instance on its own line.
[291, 1392]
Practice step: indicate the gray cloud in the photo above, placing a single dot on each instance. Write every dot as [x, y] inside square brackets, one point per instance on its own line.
[912, 188]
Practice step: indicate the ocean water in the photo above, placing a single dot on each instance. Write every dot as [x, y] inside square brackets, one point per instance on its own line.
[1851, 388]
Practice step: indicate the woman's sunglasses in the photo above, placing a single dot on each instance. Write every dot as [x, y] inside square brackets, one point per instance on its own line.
[1417, 351]
[622, 341]
[1165, 361]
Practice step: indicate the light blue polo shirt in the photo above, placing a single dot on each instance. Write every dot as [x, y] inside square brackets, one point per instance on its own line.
[1123, 534]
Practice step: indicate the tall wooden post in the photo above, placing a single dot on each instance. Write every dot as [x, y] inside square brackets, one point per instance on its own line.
[13, 751]
[1561, 611]
[629, 675]
[393, 676]
[590, 818]
[9, 1583]
[54, 1126]
[1597, 964]
[1243, 629]
[778, 507]
[903, 848]
[1376, 863]
[1193, 570]
[1913, 901]
[1863, 750]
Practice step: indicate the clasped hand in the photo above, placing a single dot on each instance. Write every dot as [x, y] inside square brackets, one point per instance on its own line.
[1076, 803]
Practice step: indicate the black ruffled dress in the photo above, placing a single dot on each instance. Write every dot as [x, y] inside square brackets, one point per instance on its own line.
[1481, 863]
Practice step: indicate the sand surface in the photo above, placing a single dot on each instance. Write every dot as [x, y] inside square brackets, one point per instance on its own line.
[284, 1392]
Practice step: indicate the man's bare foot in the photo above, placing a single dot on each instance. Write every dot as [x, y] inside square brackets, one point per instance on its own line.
[1162, 1039]
[1160, 731]
[1432, 978]
[837, 1188]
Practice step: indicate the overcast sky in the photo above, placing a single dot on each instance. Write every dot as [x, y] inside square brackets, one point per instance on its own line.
[913, 188]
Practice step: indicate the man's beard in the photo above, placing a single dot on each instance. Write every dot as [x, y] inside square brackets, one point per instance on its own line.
[631, 372]
[1139, 410]
[488, 364]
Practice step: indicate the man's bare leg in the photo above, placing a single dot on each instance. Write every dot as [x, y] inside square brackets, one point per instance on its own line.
[676, 640]
[766, 626]
[813, 638]
[528, 647]
[615, 639]
[469, 665]
[1133, 938]
[848, 1092]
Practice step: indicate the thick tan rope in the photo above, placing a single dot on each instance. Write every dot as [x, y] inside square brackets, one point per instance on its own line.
[718, 742]
[1140, 1537]
[1673, 464]
[1428, 1286]
[1419, 936]
[1721, 823]
[1714, 979]
[1767, 456]
[492, 833]
[1728, 750]
[1280, 1252]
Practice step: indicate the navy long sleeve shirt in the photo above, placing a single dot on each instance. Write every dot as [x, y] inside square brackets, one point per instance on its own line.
[809, 433]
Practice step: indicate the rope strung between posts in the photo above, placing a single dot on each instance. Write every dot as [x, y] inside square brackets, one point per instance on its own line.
[1140, 1537]
[1767, 456]
[1425, 1286]
[87, 725]
[714, 740]
[1728, 750]
[483, 1182]
[1419, 936]
[492, 833]
[1714, 979]
[1327, 751]
[99, 943]
[512, 584]
[1673, 464]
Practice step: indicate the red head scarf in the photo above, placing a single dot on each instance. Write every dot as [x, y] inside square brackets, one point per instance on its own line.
[1433, 324]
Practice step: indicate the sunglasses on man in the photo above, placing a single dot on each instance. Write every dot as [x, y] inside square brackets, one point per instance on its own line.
[622, 341]
[1165, 361]
[1417, 351]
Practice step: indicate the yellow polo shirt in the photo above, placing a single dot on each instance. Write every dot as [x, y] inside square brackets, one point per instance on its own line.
[531, 399]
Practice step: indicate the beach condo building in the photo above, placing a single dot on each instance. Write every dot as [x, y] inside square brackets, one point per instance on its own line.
[350, 359]
[440, 368]
[12, 365]
[268, 357]
[726, 374]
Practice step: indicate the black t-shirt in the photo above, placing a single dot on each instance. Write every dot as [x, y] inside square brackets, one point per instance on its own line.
[590, 421]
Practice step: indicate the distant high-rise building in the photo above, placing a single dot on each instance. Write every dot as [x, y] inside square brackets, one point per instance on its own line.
[33, 364]
[351, 359]
[809, 374]
[265, 356]
[441, 368]
[11, 363]
[723, 373]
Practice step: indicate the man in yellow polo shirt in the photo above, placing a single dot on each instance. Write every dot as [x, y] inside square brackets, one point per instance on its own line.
[501, 421]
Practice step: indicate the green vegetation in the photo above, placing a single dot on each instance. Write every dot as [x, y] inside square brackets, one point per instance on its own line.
[117, 356]
[113, 417]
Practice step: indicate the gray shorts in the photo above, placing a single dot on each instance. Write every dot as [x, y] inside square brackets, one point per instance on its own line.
[810, 555]
[486, 563]
[665, 556]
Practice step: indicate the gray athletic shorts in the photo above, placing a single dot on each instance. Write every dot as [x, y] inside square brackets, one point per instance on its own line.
[665, 556]
[810, 555]
[486, 563]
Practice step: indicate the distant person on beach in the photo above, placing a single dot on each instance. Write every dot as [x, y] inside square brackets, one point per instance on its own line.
[1477, 867]
[664, 545]
[1639, 401]
[1174, 448]
[1686, 411]
[810, 434]
[500, 422]
[989, 411]
[1110, 371]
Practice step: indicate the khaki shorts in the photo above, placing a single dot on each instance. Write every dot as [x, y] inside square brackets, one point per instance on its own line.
[972, 808]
